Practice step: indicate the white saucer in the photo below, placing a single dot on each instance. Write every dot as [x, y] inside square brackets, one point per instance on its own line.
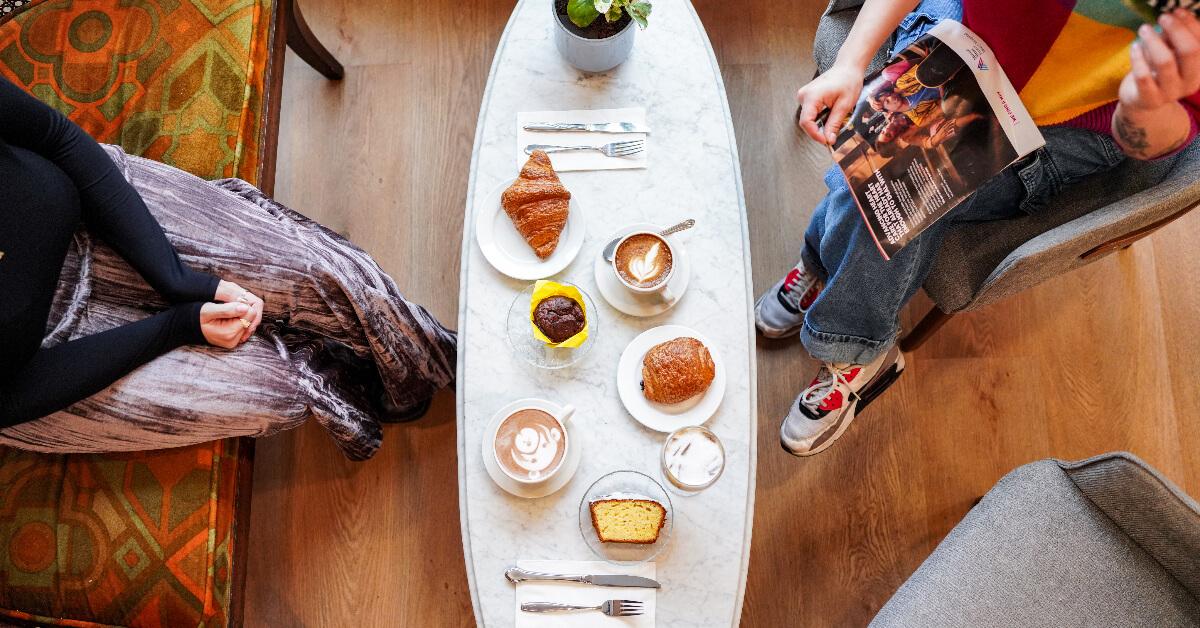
[626, 301]
[570, 464]
[657, 416]
[507, 250]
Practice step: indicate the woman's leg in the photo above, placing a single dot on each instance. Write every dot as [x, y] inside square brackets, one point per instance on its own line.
[190, 395]
[312, 280]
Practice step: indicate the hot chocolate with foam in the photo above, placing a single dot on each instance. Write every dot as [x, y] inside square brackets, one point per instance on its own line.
[643, 260]
[530, 445]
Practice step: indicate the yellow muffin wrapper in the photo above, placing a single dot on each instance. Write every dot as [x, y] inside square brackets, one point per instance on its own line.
[543, 290]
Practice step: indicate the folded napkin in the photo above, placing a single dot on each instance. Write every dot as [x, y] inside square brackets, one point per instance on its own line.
[582, 160]
[582, 594]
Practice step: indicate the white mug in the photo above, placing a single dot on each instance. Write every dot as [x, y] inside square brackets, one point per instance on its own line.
[560, 418]
[662, 288]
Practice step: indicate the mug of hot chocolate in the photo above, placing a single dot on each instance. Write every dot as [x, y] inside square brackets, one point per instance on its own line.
[644, 262]
[531, 443]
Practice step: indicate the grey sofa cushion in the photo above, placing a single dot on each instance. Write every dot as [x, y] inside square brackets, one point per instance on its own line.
[1158, 516]
[1037, 552]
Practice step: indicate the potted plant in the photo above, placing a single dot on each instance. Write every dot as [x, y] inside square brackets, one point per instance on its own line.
[597, 35]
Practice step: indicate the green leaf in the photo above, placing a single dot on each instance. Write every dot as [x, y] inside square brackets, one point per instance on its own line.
[613, 14]
[639, 11]
[602, 6]
[582, 12]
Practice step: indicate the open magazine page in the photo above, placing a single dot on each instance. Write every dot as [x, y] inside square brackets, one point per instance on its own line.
[935, 123]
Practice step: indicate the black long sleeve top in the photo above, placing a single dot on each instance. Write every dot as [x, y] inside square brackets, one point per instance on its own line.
[52, 177]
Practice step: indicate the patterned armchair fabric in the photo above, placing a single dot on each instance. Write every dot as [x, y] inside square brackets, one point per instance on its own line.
[129, 540]
[178, 81]
[133, 539]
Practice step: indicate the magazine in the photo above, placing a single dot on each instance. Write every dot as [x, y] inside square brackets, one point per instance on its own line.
[935, 123]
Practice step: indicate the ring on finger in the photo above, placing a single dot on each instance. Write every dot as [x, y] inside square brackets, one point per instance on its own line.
[245, 323]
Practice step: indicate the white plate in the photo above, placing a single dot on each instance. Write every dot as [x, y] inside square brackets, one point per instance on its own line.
[633, 304]
[507, 250]
[569, 465]
[662, 417]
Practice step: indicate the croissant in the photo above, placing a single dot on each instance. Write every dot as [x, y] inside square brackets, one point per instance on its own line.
[677, 370]
[537, 203]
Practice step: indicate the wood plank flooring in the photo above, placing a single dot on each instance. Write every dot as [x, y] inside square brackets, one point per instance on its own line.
[1098, 360]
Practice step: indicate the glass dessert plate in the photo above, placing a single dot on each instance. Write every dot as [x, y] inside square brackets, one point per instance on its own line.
[538, 353]
[625, 485]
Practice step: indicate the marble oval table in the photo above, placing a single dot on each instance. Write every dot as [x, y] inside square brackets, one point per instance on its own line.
[693, 171]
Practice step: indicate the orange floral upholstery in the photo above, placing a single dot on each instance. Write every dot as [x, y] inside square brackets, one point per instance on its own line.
[178, 81]
[138, 540]
[128, 540]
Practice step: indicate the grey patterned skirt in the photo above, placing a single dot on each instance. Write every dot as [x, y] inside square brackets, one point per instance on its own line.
[338, 343]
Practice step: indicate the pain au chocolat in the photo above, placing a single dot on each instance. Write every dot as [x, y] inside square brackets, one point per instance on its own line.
[537, 203]
[677, 370]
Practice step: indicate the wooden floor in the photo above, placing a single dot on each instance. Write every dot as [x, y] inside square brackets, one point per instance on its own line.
[1099, 360]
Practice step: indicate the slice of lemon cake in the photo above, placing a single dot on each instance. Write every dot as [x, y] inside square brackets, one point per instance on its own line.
[628, 520]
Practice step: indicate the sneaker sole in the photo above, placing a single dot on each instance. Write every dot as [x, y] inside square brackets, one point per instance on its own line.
[869, 394]
[772, 333]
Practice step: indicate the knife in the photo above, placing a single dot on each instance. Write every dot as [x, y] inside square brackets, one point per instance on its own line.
[602, 127]
[516, 574]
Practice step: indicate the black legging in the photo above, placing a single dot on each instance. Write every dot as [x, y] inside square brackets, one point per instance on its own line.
[52, 177]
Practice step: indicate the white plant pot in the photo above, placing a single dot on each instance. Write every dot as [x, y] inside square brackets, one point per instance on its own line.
[592, 55]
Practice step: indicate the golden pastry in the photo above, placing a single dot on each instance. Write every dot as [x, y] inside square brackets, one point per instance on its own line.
[677, 370]
[627, 520]
[537, 203]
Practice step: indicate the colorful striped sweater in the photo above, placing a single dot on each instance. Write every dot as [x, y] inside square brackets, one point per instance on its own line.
[1066, 58]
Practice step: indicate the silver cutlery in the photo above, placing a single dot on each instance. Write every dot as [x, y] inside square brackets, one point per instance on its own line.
[610, 249]
[516, 574]
[614, 149]
[612, 608]
[599, 127]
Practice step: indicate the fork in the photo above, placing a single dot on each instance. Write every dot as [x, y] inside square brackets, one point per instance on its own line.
[612, 608]
[614, 149]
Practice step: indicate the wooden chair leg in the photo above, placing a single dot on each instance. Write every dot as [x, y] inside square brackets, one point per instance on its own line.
[301, 39]
[925, 329]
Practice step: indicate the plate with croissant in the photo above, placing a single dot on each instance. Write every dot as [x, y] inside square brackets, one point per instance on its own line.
[671, 377]
[530, 227]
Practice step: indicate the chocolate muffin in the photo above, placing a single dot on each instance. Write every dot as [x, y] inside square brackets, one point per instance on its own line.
[558, 317]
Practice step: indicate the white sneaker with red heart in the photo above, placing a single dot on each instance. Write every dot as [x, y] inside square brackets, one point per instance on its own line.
[823, 411]
[780, 311]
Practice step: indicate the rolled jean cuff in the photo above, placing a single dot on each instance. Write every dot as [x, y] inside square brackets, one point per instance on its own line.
[843, 348]
[812, 263]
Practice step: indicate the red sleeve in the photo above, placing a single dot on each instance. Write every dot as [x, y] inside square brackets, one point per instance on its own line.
[1192, 105]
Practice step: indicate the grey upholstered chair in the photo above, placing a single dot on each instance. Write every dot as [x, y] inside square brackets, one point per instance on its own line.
[984, 262]
[1106, 541]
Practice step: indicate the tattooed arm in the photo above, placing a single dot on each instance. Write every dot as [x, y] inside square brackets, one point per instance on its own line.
[1150, 121]
[1150, 133]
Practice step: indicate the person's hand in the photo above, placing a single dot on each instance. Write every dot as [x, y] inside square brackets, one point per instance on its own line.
[837, 89]
[230, 292]
[1166, 66]
[221, 323]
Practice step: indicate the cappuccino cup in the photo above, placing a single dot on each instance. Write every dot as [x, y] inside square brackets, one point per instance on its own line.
[531, 443]
[644, 262]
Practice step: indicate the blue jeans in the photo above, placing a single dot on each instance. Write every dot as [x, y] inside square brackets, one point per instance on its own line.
[857, 315]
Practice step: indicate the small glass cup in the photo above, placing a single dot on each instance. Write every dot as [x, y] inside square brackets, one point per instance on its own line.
[692, 459]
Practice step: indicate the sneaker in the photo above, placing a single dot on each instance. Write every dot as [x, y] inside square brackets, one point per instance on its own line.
[780, 312]
[823, 411]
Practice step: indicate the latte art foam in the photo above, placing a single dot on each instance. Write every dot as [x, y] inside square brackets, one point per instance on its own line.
[530, 445]
[646, 267]
[644, 260]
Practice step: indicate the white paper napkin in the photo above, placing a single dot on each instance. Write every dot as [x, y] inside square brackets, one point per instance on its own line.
[582, 160]
[582, 594]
